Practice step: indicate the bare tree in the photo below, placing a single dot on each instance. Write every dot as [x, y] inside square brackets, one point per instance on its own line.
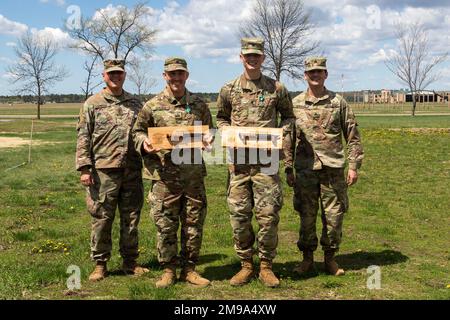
[139, 74]
[285, 26]
[412, 63]
[89, 83]
[114, 35]
[35, 68]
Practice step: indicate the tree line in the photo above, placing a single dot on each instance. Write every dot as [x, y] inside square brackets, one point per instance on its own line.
[80, 98]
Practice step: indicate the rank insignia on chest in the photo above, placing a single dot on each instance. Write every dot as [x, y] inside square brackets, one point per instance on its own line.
[316, 116]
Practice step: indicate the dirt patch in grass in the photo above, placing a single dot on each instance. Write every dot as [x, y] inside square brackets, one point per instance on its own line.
[13, 142]
[7, 142]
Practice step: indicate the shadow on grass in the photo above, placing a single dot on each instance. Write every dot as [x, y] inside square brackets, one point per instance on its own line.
[364, 259]
[151, 264]
[220, 273]
[207, 258]
[284, 270]
[349, 261]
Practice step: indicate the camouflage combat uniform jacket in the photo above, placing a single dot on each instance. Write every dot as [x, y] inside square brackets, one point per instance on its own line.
[164, 110]
[104, 132]
[246, 103]
[320, 125]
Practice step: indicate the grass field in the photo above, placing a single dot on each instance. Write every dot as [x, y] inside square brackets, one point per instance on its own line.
[403, 108]
[398, 220]
[73, 109]
[46, 109]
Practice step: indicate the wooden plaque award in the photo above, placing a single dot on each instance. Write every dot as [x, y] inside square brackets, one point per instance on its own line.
[177, 137]
[252, 137]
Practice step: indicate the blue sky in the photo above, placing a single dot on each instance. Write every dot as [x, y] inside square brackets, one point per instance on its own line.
[355, 36]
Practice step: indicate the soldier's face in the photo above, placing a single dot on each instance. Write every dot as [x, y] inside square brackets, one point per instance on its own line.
[316, 78]
[115, 79]
[176, 80]
[252, 61]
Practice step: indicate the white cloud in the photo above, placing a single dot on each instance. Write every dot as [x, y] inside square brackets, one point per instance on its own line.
[156, 57]
[353, 42]
[203, 28]
[13, 28]
[109, 11]
[8, 76]
[11, 44]
[57, 2]
[59, 37]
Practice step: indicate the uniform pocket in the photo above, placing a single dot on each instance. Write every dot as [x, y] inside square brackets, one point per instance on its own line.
[240, 104]
[94, 202]
[339, 185]
[333, 120]
[195, 209]
[271, 101]
[156, 206]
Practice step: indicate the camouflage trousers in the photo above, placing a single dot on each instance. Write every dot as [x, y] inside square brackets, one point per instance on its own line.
[326, 188]
[114, 188]
[250, 189]
[174, 200]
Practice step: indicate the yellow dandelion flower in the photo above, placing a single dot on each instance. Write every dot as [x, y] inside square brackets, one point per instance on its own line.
[448, 286]
[40, 250]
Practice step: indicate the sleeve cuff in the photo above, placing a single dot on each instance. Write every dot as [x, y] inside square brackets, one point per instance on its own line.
[354, 165]
[83, 166]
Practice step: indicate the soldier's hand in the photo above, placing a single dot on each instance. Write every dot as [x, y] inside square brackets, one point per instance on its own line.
[352, 177]
[290, 179]
[86, 178]
[149, 148]
[207, 142]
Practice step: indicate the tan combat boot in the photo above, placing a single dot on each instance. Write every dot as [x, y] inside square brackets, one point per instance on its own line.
[189, 274]
[307, 264]
[168, 278]
[99, 272]
[330, 264]
[244, 275]
[267, 276]
[131, 267]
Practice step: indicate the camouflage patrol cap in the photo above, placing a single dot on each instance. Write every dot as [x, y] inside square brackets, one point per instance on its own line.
[252, 45]
[114, 65]
[174, 63]
[315, 63]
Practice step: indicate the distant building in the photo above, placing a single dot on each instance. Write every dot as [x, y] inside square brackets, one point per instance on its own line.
[384, 96]
[428, 96]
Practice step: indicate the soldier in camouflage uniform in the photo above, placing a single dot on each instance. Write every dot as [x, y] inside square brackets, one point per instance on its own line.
[178, 192]
[254, 100]
[322, 119]
[111, 169]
